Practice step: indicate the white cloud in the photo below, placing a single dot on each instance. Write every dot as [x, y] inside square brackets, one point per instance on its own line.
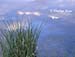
[29, 13]
[53, 17]
[9, 5]
[20, 12]
[36, 13]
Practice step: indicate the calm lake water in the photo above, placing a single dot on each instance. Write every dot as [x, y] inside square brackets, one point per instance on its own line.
[57, 38]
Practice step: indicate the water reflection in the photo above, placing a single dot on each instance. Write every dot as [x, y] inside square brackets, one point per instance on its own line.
[58, 36]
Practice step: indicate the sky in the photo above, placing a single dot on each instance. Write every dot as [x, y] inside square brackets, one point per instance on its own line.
[10, 5]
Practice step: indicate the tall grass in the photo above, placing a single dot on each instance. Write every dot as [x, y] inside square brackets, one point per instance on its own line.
[20, 41]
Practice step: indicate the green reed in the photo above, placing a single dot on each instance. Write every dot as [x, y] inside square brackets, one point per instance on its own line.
[20, 42]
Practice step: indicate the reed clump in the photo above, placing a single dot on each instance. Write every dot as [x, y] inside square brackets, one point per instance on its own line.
[20, 42]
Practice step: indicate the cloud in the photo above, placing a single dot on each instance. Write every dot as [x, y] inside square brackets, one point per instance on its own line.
[9, 5]
[29, 13]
